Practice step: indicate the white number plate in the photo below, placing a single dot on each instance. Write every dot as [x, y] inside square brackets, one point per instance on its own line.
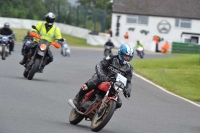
[121, 78]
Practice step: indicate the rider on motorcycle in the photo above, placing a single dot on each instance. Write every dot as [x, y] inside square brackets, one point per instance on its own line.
[110, 44]
[48, 32]
[25, 39]
[6, 30]
[139, 44]
[108, 66]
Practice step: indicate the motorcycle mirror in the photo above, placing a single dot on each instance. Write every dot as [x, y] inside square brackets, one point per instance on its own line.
[33, 26]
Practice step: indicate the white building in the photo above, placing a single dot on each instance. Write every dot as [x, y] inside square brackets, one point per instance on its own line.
[172, 20]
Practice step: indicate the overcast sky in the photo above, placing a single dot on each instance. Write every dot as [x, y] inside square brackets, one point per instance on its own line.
[72, 1]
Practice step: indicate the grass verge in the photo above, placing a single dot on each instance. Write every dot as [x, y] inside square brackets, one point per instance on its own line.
[179, 75]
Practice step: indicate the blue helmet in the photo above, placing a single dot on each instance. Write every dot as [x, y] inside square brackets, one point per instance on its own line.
[125, 50]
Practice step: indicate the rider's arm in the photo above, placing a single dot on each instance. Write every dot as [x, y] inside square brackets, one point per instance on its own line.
[129, 78]
[58, 34]
[113, 45]
[102, 66]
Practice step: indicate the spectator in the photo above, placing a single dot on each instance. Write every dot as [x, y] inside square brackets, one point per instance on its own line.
[126, 36]
[110, 32]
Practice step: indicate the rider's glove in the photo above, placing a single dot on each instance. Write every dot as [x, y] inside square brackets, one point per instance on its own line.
[51, 59]
[127, 94]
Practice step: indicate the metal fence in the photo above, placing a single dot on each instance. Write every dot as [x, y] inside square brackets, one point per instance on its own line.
[84, 17]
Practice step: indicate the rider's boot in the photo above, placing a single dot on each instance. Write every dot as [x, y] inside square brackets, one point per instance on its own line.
[23, 61]
[80, 95]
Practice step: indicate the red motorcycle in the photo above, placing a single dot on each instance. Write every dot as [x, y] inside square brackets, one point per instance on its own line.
[98, 105]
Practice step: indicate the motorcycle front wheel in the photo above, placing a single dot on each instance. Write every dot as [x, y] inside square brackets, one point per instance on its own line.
[98, 123]
[25, 73]
[75, 118]
[64, 53]
[33, 69]
[141, 55]
[3, 53]
[107, 52]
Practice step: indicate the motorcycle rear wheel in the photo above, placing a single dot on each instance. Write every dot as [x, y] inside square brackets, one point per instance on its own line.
[74, 117]
[97, 124]
[33, 69]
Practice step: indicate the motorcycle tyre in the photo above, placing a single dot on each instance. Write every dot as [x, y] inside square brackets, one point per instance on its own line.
[77, 119]
[106, 118]
[64, 52]
[141, 56]
[107, 52]
[25, 73]
[33, 69]
[3, 53]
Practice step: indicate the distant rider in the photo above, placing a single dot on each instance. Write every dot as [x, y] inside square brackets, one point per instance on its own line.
[6, 30]
[26, 40]
[109, 43]
[49, 32]
[139, 44]
[110, 66]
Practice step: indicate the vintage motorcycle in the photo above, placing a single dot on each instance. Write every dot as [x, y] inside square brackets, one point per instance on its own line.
[39, 58]
[65, 49]
[140, 52]
[98, 105]
[4, 46]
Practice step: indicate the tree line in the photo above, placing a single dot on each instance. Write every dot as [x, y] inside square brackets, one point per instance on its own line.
[88, 14]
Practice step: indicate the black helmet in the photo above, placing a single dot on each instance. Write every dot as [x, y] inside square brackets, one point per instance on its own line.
[6, 25]
[50, 18]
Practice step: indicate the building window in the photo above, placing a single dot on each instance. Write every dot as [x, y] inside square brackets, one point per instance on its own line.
[183, 23]
[135, 19]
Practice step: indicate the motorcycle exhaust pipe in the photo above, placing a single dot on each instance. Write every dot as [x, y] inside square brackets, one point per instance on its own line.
[71, 103]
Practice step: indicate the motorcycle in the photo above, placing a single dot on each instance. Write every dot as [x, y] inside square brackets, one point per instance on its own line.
[34, 63]
[4, 46]
[26, 41]
[65, 50]
[140, 51]
[107, 50]
[98, 105]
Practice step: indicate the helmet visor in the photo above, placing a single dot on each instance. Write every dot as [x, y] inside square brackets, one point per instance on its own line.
[127, 57]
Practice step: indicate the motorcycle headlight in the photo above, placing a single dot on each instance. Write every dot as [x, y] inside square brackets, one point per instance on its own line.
[28, 42]
[43, 47]
[118, 86]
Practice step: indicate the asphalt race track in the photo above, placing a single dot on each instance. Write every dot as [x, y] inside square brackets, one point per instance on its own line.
[40, 105]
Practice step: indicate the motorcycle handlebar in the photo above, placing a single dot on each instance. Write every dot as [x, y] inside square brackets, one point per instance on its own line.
[33, 34]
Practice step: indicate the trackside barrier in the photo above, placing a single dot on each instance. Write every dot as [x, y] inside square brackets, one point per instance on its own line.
[187, 48]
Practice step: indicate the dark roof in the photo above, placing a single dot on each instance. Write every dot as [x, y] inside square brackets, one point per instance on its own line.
[167, 8]
[188, 33]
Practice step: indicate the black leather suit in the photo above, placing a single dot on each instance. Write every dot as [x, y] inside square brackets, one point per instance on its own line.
[107, 67]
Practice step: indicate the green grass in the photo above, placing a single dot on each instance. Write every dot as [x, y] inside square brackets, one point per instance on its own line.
[180, 74]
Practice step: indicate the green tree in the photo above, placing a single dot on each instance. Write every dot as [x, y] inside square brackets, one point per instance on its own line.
[99, 4]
